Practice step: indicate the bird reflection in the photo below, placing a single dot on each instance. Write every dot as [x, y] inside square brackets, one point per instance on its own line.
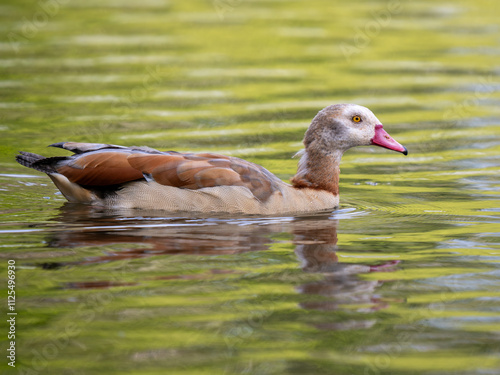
[89, 226]
[141, 234]
[316, 248]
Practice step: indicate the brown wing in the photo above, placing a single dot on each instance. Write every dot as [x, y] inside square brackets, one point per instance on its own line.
[196, 171]
[99, 168]
[103, 165]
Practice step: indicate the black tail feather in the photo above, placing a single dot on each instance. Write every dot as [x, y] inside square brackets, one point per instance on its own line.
[38, 162]
[28, 159]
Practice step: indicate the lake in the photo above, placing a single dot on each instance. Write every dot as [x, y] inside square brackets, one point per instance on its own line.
[403, 278]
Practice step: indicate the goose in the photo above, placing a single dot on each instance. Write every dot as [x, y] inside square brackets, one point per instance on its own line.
[144, 178]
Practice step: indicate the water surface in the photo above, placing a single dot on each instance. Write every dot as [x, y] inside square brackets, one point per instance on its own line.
[402, 279]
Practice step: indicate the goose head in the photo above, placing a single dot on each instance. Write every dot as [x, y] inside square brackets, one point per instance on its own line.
[339, 127]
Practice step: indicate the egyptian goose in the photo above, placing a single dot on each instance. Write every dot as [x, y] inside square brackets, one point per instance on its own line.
[144, 178]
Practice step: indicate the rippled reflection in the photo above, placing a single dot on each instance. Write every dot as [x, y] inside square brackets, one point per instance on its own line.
[403, 280]
[316, 249]
[146, 234]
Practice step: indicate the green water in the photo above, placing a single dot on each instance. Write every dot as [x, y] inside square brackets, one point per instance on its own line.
[403, 279]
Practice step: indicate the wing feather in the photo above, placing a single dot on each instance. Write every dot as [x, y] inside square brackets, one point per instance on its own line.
[102, 165]
[197, 171]
[217, 177]
[99, 169]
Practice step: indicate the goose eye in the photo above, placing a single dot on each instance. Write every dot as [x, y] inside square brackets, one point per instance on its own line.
[356, 119]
